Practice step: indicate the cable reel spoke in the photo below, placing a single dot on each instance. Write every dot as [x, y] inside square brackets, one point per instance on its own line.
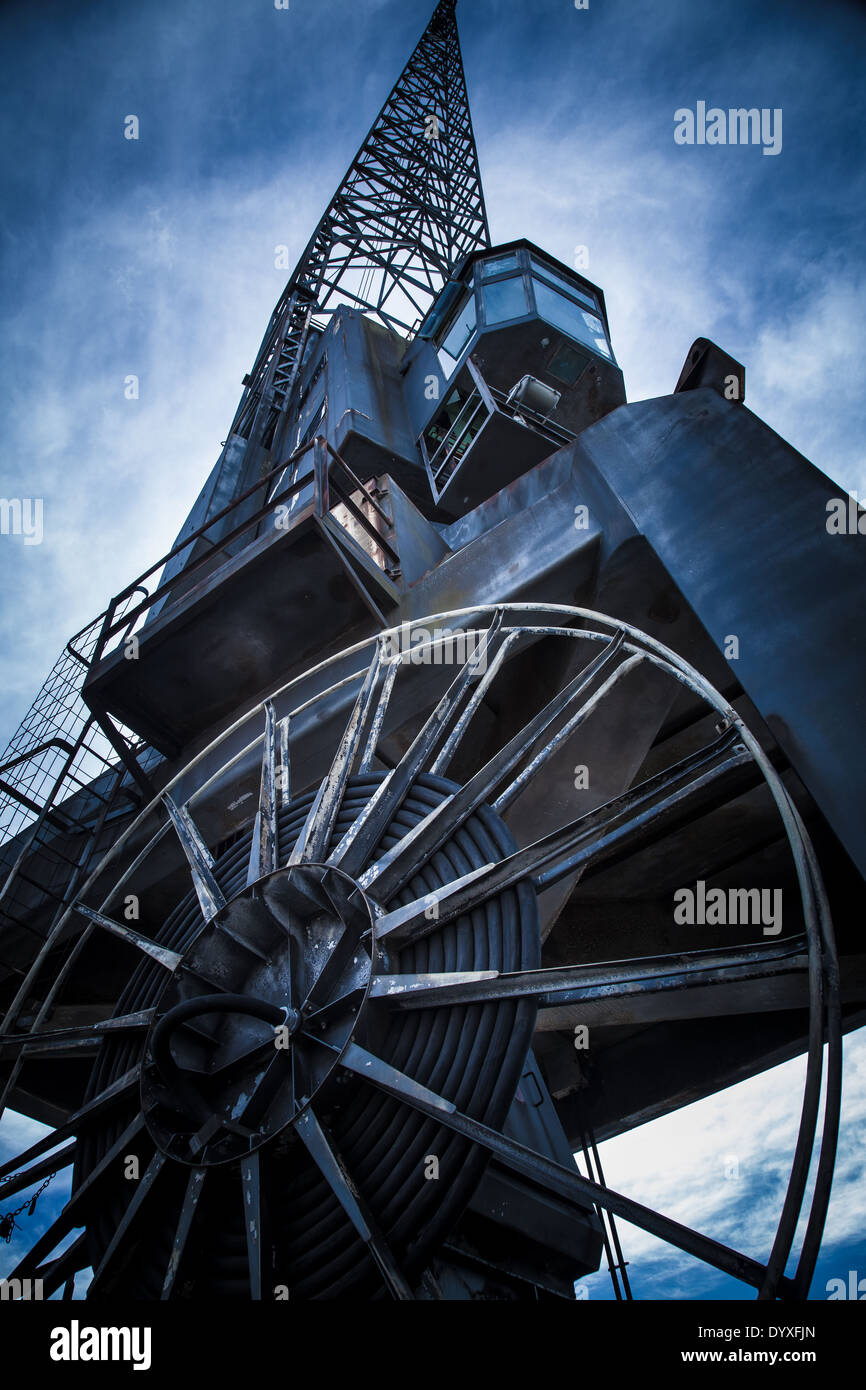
[192, 1195]
[443, 758]
[389, 874]
[64, 1268]
[74, 1039]
[263, 855]
[313, 839]
[584, 710]
[613, 829]
[362, 838]
[565, 1182]
[87, 1115]
[198, 858]
[369, 752]
[49, 1166]
[170, 959]
[565, 985]
[258, 1244]
[321, 1149]
[132, 1214]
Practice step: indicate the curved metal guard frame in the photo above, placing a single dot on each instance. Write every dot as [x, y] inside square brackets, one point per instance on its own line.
[525, 621]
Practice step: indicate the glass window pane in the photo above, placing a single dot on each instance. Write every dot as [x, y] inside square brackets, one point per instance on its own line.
[596, 329]
[506, 299]
[500, 265]
[582, 295]
[462, 328]
[446, 362]
[595, 333]
[570, 318]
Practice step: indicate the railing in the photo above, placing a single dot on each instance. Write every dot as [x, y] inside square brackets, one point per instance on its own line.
[484, 401]
[533, 418]
[56, 749]
[458, 438]
[60, 779]
[326, 475]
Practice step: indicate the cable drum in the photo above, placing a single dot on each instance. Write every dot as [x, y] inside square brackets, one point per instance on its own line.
[308, 1171]
[472, 1054]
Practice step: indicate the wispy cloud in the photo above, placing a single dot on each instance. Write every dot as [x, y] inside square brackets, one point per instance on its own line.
[721, 1166]
[156, 257]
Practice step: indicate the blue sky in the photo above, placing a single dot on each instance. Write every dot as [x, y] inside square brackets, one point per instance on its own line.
[156, 258]
[721, 1166]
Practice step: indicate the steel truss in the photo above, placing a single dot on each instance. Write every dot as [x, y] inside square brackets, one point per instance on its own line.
[409, 208]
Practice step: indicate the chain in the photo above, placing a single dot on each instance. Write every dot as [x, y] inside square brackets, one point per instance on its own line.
[7, 1220]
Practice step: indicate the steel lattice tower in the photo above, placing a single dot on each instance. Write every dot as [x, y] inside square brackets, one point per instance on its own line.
[409, 208]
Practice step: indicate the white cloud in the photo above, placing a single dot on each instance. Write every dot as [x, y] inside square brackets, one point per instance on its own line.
[119, 476]
[677, 1165]
[807, 374]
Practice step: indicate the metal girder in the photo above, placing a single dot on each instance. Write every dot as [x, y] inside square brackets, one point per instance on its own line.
[576, 984]
[409, 208]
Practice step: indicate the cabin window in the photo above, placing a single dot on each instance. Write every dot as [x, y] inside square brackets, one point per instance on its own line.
[500, 265]
[504, 300]
[569, 317]
[457, 335]
[583, 296]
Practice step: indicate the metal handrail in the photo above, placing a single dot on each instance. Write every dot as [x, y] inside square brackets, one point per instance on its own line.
[502, 405]
[61, 743]
[478, 400]
[319, 472]
[540, 422]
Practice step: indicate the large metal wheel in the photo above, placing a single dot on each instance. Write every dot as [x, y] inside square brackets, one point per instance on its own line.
[347, 984]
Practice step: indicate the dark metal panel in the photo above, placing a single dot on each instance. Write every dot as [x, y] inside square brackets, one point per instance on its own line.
[704, 478]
